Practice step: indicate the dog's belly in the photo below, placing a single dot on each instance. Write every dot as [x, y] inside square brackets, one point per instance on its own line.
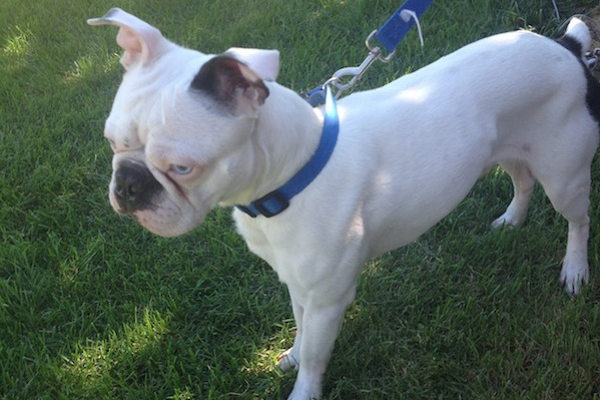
[416, 204]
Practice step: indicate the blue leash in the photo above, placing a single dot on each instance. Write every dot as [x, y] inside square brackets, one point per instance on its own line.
[397, 26]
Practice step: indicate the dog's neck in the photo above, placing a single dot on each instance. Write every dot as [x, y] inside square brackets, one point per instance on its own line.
[287, 133]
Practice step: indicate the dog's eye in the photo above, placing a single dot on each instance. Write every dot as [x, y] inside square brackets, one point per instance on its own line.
[181, 169]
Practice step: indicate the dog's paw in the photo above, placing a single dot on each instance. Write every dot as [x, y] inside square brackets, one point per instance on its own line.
[505, 220]
[288, 361]
[574, 275]
[304, 393]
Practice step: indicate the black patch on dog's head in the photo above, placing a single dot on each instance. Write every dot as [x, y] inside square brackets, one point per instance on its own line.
[224, 78]
[219, 77]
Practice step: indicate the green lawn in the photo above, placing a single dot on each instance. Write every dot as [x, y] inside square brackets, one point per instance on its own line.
[94, 307]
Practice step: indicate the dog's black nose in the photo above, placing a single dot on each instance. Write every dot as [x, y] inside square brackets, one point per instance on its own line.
[135, 186]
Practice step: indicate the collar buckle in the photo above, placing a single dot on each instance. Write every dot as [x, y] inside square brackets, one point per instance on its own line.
[269, 205]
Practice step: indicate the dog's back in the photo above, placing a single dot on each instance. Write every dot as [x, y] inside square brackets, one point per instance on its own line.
[515, 96]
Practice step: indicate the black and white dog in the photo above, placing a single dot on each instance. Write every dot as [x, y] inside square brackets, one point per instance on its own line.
[191, 131]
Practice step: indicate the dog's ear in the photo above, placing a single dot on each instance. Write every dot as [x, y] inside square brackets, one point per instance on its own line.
[141, 42]
[264, 62]
[232, 84]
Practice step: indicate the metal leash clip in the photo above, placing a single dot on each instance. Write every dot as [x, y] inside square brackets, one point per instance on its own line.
[357, 72]
[389, 35]
[317, 95]
[375, 53]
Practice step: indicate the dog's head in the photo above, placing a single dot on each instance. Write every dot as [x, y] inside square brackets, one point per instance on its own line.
[181, 126]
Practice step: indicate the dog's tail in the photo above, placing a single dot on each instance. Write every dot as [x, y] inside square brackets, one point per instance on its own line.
[577, 38]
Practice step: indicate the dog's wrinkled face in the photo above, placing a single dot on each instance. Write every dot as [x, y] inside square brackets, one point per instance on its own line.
[181, 126]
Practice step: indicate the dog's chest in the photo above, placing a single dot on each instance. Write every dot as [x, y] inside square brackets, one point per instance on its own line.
[283, 246]
[256, 237]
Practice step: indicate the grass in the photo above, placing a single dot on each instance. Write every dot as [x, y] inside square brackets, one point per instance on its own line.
[94, 307]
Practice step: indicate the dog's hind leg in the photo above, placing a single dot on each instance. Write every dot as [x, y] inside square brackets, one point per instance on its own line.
[575, 269]
[571, 200]
[523, 183]
[566, 178]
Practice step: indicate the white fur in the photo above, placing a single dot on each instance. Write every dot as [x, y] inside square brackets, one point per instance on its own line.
[407, 154]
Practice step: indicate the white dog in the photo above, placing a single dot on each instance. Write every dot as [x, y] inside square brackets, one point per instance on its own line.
[191, 131]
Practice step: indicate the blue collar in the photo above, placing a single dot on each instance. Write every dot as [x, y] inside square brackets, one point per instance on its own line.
[278, 200]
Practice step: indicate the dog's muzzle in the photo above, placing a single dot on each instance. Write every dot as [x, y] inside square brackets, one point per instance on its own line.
[134, 187]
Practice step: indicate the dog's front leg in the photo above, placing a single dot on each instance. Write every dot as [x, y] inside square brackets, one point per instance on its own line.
[290, 359]
[320, 326]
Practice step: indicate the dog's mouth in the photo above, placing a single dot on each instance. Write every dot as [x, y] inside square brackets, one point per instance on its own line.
[150, 206]
[166, 213]
[161, 216]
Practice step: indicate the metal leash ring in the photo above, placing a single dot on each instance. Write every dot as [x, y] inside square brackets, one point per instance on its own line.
[377, 50]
